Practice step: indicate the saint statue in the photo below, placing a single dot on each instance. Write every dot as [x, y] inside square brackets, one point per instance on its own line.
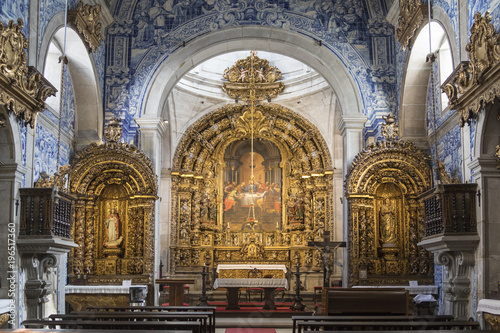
[388, 222]
[112, 224]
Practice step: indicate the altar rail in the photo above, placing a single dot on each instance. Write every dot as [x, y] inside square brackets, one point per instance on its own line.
[450, 208]
[46, 211]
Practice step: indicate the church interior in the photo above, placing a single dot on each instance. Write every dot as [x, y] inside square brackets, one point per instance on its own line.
[290, 154]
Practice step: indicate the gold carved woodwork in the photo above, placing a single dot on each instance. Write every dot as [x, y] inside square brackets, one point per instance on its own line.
[86, 18]
[382, 190]
[197, 183]
[4, 317]
[23, 89]
[243, 273]
[411, 16]
[252, 74]
[80, 302]
[493, 320]
[116, 188]
[497, 154]
[475, 83]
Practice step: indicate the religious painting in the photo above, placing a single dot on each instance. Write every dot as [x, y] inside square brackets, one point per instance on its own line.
[244, 201]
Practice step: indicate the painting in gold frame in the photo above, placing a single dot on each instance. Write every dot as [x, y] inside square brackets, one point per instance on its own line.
[265, 195]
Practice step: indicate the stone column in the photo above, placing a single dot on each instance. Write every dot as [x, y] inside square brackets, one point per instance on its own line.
[351, 128]
[456, 253]
[152, 130]
[36, 288]
[486, 174]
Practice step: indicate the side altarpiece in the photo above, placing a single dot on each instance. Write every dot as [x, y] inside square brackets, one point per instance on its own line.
[385, 219]
[115, 189]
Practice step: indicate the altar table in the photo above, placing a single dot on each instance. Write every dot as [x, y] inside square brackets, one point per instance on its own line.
[80, 297]
[233, 285]
[176, 290]
[490, 309]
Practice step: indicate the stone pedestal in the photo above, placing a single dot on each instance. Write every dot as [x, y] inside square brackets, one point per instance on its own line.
[456, 253]
[37, 255]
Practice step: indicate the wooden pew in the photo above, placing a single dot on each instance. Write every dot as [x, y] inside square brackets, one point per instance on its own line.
[211, 309]
[355, 319]
[190, 326]
[202, 317]
[365, 301]
[324, 326]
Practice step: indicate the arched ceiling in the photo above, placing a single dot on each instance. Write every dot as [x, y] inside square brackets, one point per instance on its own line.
[199, 91]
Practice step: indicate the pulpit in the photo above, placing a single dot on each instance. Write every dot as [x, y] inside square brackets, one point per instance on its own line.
[234, 277]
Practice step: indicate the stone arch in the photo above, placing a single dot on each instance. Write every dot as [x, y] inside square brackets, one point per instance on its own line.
[279, 41]
[84, 78]
[412, 109]
[398, 173]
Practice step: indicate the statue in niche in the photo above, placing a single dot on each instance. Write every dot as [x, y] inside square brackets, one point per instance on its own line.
[112, 224]
[296, 210]
[388, 219]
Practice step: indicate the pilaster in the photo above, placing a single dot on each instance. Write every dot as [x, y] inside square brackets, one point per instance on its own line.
[151, 131]
[351, 129]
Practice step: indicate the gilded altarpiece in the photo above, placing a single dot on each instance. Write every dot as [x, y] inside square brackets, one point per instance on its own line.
[207, 167]
[383, 191]
[116, 190]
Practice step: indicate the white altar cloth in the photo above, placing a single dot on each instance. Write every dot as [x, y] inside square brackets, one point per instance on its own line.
[412, 290]
[250, 266]
[251, 283]
[489, 306]
[72, 289]
[4, 305]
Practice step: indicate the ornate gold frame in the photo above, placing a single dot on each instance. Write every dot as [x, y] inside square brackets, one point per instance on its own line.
[121, 174]
[475, 83]
[23, 90]
[197, 171]
[396, 170]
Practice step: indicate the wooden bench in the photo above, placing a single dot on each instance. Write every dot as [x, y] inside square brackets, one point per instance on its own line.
[202, 317]
[365, 301]
[355, 319]
[211, 309]
[303, 326]
[190, 326]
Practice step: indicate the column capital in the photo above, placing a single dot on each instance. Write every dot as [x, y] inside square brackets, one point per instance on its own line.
[351, 122]
[147, 124]
[482, 166]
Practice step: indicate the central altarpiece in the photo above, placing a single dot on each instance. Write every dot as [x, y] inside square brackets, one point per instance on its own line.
[251, 182]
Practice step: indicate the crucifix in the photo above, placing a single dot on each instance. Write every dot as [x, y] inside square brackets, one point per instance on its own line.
[326, 247]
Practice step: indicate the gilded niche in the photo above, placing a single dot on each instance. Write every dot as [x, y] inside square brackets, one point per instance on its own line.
[116, 188]
[475, 83]
[23, 90]
[211, 199]
[383, 190]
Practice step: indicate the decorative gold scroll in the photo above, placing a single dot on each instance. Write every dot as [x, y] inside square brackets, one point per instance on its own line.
[382, 189]
[411, 16]
[265, 77]
[87, 20]
[23, 90]
[475, 83]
